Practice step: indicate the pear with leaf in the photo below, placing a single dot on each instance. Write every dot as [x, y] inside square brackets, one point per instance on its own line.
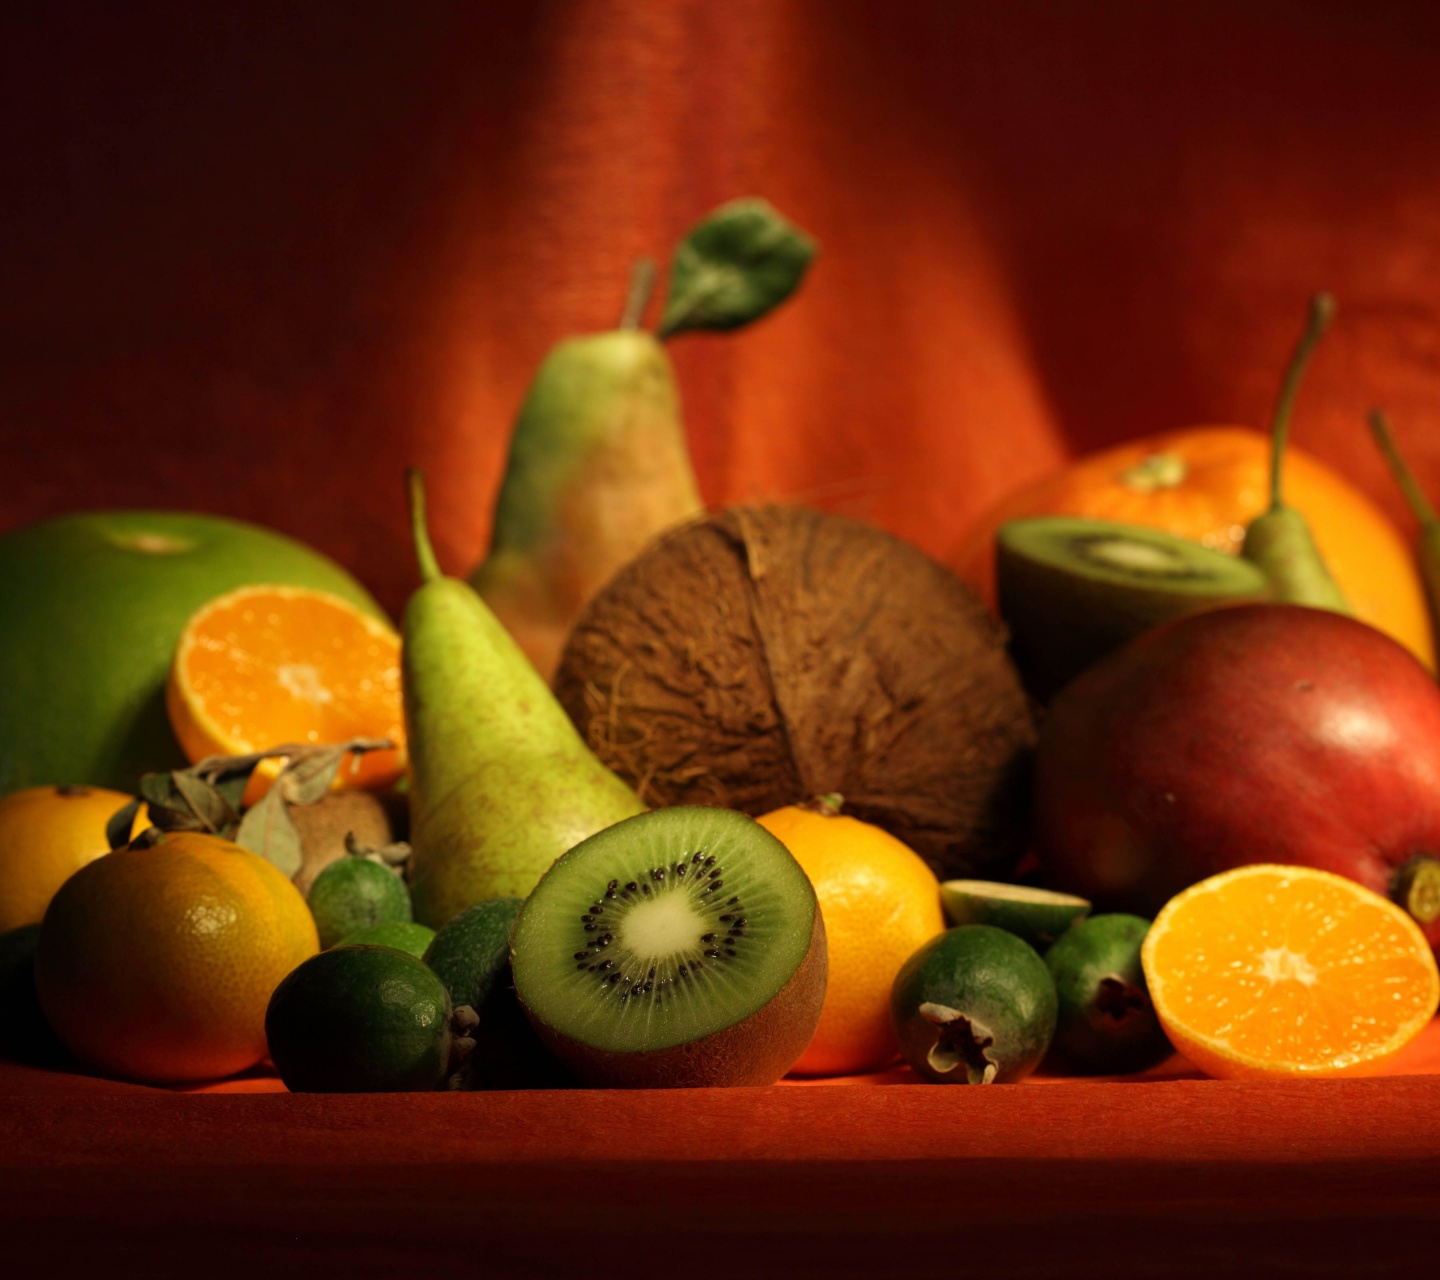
[501, 783]
[599, 462]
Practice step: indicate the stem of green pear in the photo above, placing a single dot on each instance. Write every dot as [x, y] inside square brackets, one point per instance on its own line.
[642, 285]
[1419, 504]
[1322, 311]
[1428, 551]
[419, 530]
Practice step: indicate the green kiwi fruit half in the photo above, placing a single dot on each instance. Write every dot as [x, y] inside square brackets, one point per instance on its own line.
[1070, 589]
[681, 947]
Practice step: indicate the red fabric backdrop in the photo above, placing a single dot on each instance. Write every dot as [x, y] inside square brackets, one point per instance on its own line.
[258, 258]
[261, 257]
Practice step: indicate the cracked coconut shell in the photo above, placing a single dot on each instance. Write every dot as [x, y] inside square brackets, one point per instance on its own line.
[765, 655]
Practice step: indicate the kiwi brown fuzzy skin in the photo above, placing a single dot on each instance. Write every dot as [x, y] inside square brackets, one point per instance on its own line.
[767, 654]
[757, 1050]
[373, 819]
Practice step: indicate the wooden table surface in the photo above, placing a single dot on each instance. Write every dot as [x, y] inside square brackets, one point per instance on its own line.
[1168, 1174]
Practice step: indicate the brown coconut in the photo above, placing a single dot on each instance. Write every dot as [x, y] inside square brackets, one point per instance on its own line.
[765, 655]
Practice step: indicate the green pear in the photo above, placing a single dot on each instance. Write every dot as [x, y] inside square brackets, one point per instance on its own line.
[598, 466]
[598, 462]
[501, 783]
[1279, 540]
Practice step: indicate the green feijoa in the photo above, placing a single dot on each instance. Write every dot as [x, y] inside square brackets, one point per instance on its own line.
[975, 1005]
[403, 935]
[1037, 915]
[364, 1019]
[471, 956]
[471, 953]
[354, 893]
[1106, 1022]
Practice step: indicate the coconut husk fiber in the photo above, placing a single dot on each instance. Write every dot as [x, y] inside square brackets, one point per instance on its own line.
[765, 655]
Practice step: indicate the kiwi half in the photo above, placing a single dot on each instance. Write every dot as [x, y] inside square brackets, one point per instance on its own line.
[1070, 589]
[681, 947]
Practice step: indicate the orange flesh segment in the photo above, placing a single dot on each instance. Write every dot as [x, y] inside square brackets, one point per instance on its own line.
[261, 667]
[1289, 971]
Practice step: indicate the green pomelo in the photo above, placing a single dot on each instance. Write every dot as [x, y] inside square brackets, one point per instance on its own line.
[1037, 915]
[361, 1019]
[1106, 1020]
[975, 1005]
[680, 947]
[95, 605]
[403, 935]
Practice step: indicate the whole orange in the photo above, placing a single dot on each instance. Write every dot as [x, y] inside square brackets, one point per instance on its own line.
[880, 903]
[157, 963]
[1207, 483]
[46, 835]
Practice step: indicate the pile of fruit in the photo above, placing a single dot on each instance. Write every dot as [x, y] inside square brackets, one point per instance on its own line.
[663, 797]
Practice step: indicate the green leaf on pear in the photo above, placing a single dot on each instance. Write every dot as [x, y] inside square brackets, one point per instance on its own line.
[739, 263]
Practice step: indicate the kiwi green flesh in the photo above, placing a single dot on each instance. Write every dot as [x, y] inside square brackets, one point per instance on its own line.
[1071, 589]
[663, 930]
[1126, 557]
[756, 1051]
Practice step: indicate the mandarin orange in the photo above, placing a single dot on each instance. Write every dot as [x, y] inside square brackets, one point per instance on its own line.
[1273, 971]
[266, 665]
[1207, 483]
[157, 963]
[46, 835]
[880, 902]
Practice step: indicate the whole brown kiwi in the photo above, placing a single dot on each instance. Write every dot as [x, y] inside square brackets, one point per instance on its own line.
[374, 820]
[765, 655]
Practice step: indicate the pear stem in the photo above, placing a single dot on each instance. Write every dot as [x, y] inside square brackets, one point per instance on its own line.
[642, 285]
[1322, 311]
[419, 532]
[1404, 477]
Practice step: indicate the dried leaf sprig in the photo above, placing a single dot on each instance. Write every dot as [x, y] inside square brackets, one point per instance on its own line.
[209, 797]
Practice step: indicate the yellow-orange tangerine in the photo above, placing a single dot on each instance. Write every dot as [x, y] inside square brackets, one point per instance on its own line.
[1270, 971]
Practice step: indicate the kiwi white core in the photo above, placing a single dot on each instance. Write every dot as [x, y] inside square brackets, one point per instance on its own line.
[662, 929]
[1141, 557]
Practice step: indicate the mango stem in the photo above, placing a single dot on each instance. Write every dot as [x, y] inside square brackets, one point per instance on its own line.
[1322, 311]
[419, 532]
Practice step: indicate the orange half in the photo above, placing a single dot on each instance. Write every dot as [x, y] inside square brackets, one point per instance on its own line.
[263, 666]
[1280, 972]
